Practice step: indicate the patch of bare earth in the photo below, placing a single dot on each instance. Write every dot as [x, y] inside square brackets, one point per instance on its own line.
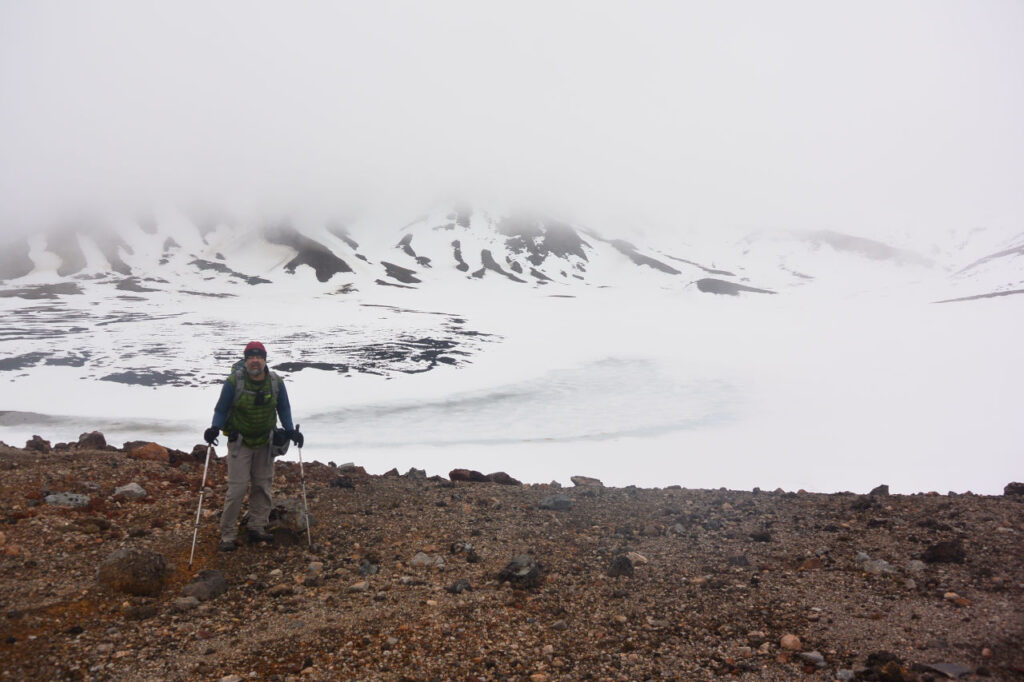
[402, 582]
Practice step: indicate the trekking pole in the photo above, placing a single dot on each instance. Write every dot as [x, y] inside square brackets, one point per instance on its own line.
[305, 508]
[202, 489]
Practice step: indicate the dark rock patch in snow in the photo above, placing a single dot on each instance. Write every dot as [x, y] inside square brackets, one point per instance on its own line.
[539, 238]
[15, 261]
[65, 244]
[630, 251]
[710, 271]
[403, 275]
[462, 266]
[312, 253]
[717, 286]
[201, 264]
[490, 264]
[21, 361]
[149, 378]
[43, 291]
[977, 297]
[132, 284]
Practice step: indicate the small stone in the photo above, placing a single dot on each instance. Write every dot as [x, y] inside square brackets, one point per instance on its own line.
[878, 567]
[538, 677]
[813, 658]
[916, 566]
[281, 590]
[523, 571]
[185, 603]
[132, 491]
[547, 650]
[208, 584]
[637, 558]
[986, 653]
[620, 566]
[790, 642]
[231, 678]
[3, 539]
[459, 586]
[361, 586]
[586, 481]
[421, 559]
[620, 619]
[845, 675]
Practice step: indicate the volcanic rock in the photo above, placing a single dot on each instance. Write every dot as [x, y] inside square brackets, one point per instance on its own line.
[151, 452]
[132, 491]
[1015, 488]
[621, 566]
[92, 441]
[134, 571]
[586, 481]
[947, 552]
[209, 584]
[502, 478]
[37, 444]
[523, 571]
[467, 476]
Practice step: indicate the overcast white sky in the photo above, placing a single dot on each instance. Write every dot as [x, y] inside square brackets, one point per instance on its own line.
[863, 116]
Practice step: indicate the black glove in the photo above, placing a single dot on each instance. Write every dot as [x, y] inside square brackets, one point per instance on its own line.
[296, 437]
[210, 435]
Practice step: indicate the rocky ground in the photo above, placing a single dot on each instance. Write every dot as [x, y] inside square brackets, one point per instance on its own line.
[411, 578]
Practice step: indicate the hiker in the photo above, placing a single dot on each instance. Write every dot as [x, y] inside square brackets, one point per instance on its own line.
[251, 400]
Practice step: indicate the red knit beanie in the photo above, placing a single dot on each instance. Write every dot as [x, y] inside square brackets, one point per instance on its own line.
[256, 348]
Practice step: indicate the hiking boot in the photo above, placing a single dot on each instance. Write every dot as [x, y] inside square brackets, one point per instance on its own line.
[260, 536]
[227, 546]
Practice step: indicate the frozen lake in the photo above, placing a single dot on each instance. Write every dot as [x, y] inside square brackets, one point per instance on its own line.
[631, 387]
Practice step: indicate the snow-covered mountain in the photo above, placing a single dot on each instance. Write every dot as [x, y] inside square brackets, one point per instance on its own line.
[461, 244]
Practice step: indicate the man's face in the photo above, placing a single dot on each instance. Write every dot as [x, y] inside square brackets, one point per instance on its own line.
[255, 365]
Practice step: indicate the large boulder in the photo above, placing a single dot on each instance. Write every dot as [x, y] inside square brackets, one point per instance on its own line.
[133, 570]
[1015, 488]
[37, 444]
[582, 481]
[93, 440]
[151, 452]
[467, 476]
[67, 500]
[502, 478]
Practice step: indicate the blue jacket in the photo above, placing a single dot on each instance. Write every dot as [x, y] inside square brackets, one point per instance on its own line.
[227, 399]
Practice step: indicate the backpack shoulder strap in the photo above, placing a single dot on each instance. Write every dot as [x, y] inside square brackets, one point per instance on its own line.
[275, 383]
[239, 374]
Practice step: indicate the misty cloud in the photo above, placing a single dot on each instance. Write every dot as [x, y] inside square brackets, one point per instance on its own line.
[867, 118]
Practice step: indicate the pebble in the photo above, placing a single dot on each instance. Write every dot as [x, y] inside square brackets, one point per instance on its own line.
[845, 675]
[281, 590]
[814, 658]
[421, 559]
[185, 603]
[637, 558]
[67, 500]
[620, 619]
[790, 642]
[548, 650]
[756, 637]
[361, 586]
[3, 539]
[276, 573]
[231, 678]
[132, 491]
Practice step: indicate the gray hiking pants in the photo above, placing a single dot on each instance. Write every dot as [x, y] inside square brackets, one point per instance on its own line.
[247, 466]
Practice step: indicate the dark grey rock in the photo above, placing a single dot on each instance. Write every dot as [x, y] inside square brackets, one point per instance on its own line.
[880, 491]
[92, 441]
[523, 571]
[620, 566]
[459, 586]
[37, 444]
[586, 481]
[948, 552]
[502, 478]
[209, 584]
[1015, 488]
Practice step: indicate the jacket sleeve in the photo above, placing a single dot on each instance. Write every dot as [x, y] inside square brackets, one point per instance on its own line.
[284, 408]
[227, 399]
